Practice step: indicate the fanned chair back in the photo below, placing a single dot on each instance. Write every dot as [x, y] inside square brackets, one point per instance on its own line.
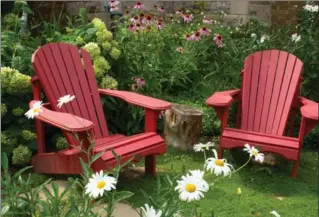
[270, 81]
[65, 69]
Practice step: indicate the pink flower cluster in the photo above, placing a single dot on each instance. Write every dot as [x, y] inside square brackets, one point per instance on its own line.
[141, 21]
[139, 83]
[198, 34]
[114, 5]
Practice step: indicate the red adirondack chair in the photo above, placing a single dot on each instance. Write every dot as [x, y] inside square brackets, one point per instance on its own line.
[64, 69]
[269, 94]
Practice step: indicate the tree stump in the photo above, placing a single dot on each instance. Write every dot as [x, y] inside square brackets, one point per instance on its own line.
[182, 126]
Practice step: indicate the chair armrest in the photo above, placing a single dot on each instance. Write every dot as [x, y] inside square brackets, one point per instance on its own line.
[309, 109]
[62, 120]
[222, 99]
[138, 99]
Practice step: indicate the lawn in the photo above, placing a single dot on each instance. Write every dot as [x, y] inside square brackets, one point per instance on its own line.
[262, 190]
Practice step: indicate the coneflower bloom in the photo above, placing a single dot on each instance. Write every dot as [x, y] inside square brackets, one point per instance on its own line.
[204, 31]
[159, 25]
[139, 5]
[196, 36]
[131, 27]
[148, 20]
[113, 3]
[142, 15]
[187, 18]
[207, 21]
[138, 26]
[161, 9]
[112, 9]
[188, 37]
[218, 39]
[135, 19]
[180, 50]
[179, 12]
[155, 6]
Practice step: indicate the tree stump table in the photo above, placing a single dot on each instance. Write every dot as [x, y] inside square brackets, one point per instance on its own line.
[182, 126]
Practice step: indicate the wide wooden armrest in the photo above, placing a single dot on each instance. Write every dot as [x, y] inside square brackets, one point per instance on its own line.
[62, 120]
[309, 109]
[138, 99]
[222, 99]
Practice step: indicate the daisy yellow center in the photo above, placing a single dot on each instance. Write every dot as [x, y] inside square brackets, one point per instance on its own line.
[190, 188]
[36, 110]
[254, 152]
[219, 162]
[100, 184]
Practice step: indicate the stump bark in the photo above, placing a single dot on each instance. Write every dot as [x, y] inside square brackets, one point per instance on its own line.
[182, 126]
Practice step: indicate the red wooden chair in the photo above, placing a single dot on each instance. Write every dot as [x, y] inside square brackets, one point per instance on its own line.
[269, 93]
[64, 69]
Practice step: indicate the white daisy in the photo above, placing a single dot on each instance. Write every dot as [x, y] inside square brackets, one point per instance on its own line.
[252, 151]
[65, 99]
[191, 188]
[200, 146]
[295, 37]
[218, 166]
[35, 110]
[263, 38]
[253, 35]
[199, 174]
[99, 183]
[275, 213]
[149, 211]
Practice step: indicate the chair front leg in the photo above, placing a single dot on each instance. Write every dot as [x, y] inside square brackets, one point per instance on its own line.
[151, 117]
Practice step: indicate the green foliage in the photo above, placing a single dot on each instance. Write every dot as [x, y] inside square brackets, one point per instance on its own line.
[14, 82]
[21, 155]
[27, 135]
[18, 112]
[61, 143]
[4, 109]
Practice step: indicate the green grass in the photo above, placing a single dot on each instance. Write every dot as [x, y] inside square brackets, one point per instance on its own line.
[260, 187]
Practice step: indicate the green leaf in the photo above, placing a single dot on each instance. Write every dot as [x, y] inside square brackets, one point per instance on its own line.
[85, 168]
[21, 171]
[4, 209]
[4, 161]
[98, 155]
[55, 188]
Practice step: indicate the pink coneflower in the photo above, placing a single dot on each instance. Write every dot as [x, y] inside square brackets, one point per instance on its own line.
[155, 6]
[161, 9]
[135, 19]
[112, 9]
[113, 3]
[142, 16]
[179, 12]
[127, 13]
[148, 20]
[138, 26]
[180, 50]
[204, 31]
[135, 87]
[187, 18]
[159, 25]
[138, 5]
[140, 82]
[218, 39]
[207, 21]
[196, 36]
[188, 37]
[131, 27]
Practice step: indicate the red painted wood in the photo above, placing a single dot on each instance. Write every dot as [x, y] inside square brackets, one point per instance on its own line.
[261, 89]
[272, 115]
[274, 54]
[64, 121]
[94, 91]
[151, 120]
[224, 98]
[138, 99]
[253, 137]
[288, 153]
[270, 89]
[253, 89]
